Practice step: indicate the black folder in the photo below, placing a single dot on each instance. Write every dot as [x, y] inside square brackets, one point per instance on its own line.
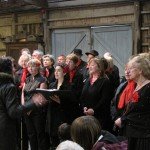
[50, 92]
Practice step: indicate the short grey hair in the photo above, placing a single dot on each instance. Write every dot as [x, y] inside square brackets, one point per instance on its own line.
[39, 52]
[51, 57]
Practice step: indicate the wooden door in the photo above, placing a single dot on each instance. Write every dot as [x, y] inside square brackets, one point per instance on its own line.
[14, 49]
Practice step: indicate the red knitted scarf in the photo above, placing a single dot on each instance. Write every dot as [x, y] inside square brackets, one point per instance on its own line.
[23, 77]
[72, 74]
[127, 94]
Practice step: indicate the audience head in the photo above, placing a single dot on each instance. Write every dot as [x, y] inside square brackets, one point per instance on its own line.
[61, 59]
[96, 65]
[85, 131]
[37, 54]
[69, 145]
[64, 132]
[6, 65]
[48, 60]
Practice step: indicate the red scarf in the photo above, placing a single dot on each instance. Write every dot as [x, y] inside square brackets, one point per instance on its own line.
[128, 94]
[72, 74]
[79, 62]
[47, 73]
[23, 77]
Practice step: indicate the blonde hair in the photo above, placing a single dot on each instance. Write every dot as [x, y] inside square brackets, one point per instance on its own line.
[24, 57]
[145, 55]
[143, 64]
[72, 57]
[34, 63]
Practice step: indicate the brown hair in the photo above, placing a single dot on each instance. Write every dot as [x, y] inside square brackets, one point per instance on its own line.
[73, 57]
[85, 126]
[100, 63]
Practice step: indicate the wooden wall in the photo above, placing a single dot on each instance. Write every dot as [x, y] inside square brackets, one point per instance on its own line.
[17, 26]
[114, 14]
[136, 14]
[145, 26]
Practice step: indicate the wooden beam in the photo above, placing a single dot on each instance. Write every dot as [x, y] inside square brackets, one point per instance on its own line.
[46, 33]
[137, 27]
[14, 20]
[39, 3]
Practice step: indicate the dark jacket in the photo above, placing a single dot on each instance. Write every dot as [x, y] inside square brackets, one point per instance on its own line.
[80, 67]
[9, 111]
[76, 84]
[109, 141]
[115, 112]
[98, 97]
[65, 112]
[136, 120]
[51, 76]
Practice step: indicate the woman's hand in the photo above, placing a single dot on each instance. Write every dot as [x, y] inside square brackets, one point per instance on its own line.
[89, 111]
[39, 99]
[118, 122]
[55, 98]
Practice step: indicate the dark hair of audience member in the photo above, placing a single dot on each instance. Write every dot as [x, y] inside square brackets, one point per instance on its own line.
[85, 131]
[6, 65]
[64, 132]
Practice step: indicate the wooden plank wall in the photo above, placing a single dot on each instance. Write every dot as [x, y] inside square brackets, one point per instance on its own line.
[91, 16]
[77, 17]
[145, 26]
[13, 24]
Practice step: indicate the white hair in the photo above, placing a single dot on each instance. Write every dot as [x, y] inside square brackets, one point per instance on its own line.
[107, 54]
[69, 145]
[24, 57]
[39, 52]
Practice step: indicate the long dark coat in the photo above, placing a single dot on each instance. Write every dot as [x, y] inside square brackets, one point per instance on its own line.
[9, 111]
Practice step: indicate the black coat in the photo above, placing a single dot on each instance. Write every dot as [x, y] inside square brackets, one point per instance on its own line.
[136, 121]
[65, 112]
[9, 112]
[98, 97]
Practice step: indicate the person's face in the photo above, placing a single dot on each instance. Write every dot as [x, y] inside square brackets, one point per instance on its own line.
[89, 57]
[127, 73]
[61, 60]
[59, 72]
[71, 64]
[33, 70]
[133, 70]
[47, 62]
[36, 56]
[93, 67]
[24, 63]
